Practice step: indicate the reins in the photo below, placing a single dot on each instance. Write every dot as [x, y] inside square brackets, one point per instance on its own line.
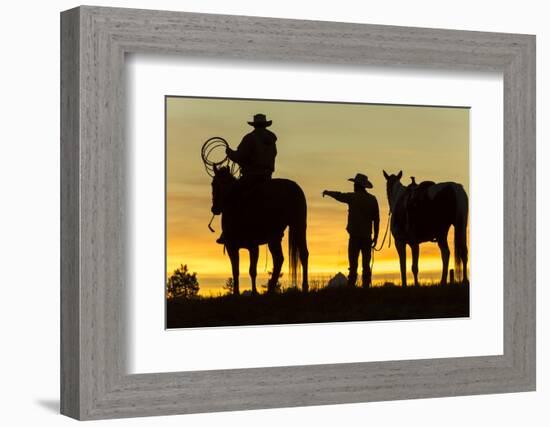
[211, 145]
[374, 249]
[385, 234]
[210, 224]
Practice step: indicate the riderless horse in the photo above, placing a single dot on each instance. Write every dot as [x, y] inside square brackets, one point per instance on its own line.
[424, 213]
[260, 216]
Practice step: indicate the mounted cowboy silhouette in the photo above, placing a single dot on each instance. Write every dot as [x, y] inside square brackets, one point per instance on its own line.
[257, 209]
[424, 213]
[255, 155]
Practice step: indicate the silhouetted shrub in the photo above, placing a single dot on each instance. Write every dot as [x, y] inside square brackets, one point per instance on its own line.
[229, 286]
[278, 287]
[182, 284]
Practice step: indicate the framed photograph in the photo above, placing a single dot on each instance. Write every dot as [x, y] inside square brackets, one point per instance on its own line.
[297, 212]
[257, 205]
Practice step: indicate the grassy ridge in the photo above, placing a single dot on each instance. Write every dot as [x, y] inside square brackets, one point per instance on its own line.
[323, 305]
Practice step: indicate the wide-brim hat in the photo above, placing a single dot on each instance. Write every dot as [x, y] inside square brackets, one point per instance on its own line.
[361, 180]
[260, 120]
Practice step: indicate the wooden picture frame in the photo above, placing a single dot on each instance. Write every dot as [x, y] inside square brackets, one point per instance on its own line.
[94, 382]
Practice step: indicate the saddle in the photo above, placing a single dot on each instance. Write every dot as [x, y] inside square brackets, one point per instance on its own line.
[417, 206]
[244, 220]
[250, 190]
[417, 193]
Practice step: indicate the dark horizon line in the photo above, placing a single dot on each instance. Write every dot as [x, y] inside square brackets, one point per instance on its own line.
[318, 102]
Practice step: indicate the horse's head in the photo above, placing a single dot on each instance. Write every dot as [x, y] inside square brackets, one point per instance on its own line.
[393, 182]
[222, 182]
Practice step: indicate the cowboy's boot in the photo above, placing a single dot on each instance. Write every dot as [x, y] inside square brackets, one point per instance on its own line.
[367, 280]
[352, 279]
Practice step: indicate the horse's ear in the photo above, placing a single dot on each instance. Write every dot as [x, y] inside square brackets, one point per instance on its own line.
[400, 174]
[385, 174]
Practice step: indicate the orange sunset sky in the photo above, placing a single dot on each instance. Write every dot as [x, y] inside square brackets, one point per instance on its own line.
[320, 146]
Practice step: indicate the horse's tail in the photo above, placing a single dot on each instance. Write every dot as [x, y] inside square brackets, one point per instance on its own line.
[293, 255]
[460, 226]
[297, 236]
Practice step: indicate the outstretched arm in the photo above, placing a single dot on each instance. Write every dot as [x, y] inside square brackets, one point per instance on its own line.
[337, 195]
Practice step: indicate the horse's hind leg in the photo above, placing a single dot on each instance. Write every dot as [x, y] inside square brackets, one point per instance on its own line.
[278, 258]
[402, 252]
[234, 257]
[254, 254]
[304, 257]
[445, 254]
[415, 249]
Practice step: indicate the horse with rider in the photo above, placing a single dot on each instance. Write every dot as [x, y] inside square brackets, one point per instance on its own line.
[257, 209]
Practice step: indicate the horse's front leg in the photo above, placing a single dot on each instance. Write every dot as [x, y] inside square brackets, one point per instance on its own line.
[254, 254]
[278, 258]
[445, 254]
[415, 249]
[233, 253]
[402, 252]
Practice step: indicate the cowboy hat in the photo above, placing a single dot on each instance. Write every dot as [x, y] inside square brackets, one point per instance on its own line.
[260, 120]
[361, 180]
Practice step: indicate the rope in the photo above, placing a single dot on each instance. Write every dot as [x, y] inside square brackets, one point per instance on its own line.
[210, 224]
[385, 234]
[373, 250]
[208, 149]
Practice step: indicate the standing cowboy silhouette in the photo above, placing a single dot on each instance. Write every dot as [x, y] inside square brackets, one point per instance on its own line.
[362, 214]
[256, 157]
